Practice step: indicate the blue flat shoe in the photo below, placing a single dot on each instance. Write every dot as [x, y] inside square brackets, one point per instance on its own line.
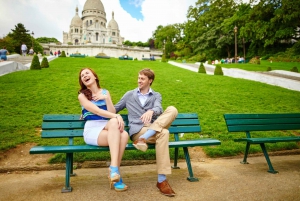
[120, 186]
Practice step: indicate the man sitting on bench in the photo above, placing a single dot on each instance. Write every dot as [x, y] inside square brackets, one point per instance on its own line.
[149, 124]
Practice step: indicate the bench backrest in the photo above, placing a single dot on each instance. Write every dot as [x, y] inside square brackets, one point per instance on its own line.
[70, 125]
[262, 122]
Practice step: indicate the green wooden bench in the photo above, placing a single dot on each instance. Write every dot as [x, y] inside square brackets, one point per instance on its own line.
[262, 122]
[70, 126]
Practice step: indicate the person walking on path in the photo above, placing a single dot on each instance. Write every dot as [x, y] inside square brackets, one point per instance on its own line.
[3, 53]
[24, 49]
[103, 126]
[149, 124]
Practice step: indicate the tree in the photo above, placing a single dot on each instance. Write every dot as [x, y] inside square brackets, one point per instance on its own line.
[20, 35]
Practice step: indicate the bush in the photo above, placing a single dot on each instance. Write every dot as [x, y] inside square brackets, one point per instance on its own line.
[35, 63]
[45, 63]
[163, 59]
[294, 69]
[201, 69]
[135, 59]
[63, 54]
[269, 68]
[218, 70]
[254, 60]
[209, 61]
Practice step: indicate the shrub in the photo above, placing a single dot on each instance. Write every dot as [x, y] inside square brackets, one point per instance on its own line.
[254, 60]
[201, 69]
[218, 70]
[69, 43]
[269, 68]
[35, 63]
[45, 63]
[295, 69]
[135, 59]
[209, 61]
[63, 54]
[163, 59]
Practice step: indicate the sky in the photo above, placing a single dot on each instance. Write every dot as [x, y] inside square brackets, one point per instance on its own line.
[137, 19]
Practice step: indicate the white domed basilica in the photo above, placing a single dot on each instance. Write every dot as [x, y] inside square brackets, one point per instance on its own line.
[92, 27]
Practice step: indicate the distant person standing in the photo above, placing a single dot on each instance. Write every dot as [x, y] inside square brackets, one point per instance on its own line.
[24, 49]
[3, 53]
[31, 51]
[51, 53]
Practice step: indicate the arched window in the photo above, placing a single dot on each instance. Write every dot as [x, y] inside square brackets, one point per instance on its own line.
[91, 22]
[76, 41]
[97, 35]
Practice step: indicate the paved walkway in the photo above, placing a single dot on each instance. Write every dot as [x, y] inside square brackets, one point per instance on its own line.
[220, 179]
[281, 78]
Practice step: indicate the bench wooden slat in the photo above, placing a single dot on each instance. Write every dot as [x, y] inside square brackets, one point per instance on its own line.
[241, 128]
[89, 148]
[76, 117]
[80, 124]
[79, 132]
[263, 121]
[268, 140]
[262, 116]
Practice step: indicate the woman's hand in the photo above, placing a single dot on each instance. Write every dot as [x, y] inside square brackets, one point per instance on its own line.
[99, 96]
[120, 122]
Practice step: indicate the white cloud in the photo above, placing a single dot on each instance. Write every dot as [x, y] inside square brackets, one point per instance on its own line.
[50, 18]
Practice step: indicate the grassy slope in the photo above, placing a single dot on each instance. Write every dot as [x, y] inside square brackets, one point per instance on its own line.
[27, 95]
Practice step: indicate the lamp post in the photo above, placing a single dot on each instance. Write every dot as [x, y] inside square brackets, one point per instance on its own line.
[164, 52]
[32, 38]
[235, 55]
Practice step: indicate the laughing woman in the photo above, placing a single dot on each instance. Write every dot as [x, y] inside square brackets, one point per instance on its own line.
[103, 126]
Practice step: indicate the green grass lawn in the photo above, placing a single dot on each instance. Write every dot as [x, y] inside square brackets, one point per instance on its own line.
[27, 95]
[264, 64]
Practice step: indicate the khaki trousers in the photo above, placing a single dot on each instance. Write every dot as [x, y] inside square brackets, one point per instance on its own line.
[160, 139]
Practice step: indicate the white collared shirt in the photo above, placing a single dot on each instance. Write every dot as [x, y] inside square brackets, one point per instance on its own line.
[143, 97]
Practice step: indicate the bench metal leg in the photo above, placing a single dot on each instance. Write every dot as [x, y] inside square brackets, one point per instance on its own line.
[246, 154]
[176, 158]
[188, 162]
[67, 187]
[72, 174]
[271, 169]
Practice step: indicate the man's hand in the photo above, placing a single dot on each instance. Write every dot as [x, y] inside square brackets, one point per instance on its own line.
[147, 117]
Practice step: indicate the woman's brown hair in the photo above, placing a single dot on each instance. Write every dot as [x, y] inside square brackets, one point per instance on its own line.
[84, 89]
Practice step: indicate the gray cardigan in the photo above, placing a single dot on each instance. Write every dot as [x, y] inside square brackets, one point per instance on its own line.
[131, 102]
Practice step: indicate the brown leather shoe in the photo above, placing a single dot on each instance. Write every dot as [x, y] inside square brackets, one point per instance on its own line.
[165, 188]
[140, 144]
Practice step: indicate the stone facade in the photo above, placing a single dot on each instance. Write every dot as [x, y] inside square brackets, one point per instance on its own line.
[92, 27]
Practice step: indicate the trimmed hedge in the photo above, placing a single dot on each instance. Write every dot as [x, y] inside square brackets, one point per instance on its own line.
[201, 69]
[35, 63]
[45, 63]
[218, 70]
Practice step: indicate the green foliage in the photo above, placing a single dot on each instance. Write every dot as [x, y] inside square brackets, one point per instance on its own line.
[63, 54]
[201, 69]
[209, 62]
[70, 43]
[46, 40]
[295, 69]
[269, 68]
[163, 58]
[218, 70]
[35, 63]
[45, 63]
[254, 60]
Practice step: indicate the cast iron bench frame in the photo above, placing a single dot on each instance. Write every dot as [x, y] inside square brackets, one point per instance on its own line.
[262, 122]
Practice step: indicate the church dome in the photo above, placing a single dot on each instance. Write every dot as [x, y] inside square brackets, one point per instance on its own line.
[76, 20]
[93, 4]
[112, 23]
